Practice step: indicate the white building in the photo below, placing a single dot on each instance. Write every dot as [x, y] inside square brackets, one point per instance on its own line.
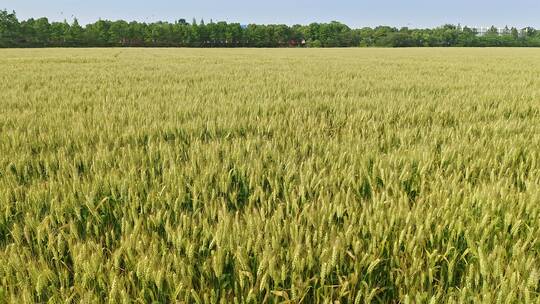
[481, 31]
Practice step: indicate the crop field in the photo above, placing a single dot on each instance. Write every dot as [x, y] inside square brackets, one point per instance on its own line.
[270, 176]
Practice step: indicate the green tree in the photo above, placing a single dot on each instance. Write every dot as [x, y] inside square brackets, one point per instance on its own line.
[27, 33]
[233, 34]
[76, 34]
[59, 33]
[97, 34]
[9, 29]
[514, 33]
[42, 31]
[119, 33]
[492, 31]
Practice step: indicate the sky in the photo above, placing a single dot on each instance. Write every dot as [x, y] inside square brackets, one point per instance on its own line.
[359, 13]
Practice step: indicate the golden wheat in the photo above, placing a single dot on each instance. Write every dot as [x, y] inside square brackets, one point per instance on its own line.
[249, 176]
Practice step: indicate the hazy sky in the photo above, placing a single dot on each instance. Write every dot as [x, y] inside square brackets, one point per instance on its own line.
[412, 13]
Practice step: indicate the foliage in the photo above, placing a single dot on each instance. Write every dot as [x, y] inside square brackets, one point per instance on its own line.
[105, 33]
[253, 176]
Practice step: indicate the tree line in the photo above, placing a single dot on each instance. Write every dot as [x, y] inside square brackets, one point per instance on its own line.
[104, 33]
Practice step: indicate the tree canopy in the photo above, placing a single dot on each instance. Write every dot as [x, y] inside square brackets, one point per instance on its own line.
[104, 33]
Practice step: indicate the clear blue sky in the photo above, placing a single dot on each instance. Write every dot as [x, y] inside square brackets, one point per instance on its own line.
[412, 13]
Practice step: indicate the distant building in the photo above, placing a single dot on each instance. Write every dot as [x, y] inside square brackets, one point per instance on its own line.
[295, 43]
[481, 31]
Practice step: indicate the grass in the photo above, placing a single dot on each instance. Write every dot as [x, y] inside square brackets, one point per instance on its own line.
[249, 176]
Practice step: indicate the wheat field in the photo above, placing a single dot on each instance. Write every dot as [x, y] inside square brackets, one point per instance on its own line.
[270, 176]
